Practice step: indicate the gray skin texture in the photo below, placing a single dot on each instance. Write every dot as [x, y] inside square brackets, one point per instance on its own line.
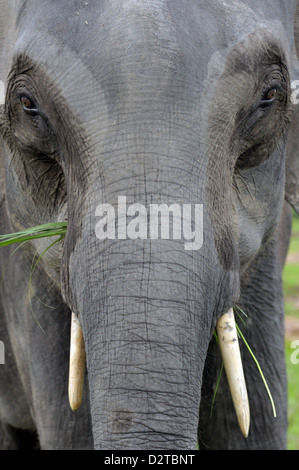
[163, 102]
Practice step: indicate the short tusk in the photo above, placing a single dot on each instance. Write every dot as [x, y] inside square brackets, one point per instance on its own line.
[77, 365]
[230, 352]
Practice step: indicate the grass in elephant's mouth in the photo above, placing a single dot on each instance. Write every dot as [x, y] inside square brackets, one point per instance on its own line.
[55, 229]
[239, 312]
[40, 231]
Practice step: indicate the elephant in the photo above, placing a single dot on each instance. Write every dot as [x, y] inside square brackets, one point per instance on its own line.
[113, 109]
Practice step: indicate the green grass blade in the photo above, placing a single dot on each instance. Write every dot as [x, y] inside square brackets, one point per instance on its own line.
[259, 369]
[216, 389]
[254, 358]
[216, 336]
[236, 307]
[40, 231]
[37, 228]
[240, 310]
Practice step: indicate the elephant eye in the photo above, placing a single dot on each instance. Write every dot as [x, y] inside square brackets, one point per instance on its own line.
[269, 97]
[276, 92]
[26, 102]
[28, 105]
[271, 94]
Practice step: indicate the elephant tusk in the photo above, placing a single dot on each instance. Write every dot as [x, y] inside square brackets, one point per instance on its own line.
[76, 365]
[230, 352]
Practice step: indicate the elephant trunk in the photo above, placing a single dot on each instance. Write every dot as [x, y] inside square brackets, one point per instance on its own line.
[145, 352]
[147, 316]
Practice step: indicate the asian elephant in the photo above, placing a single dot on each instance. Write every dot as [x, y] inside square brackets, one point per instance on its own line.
[189, 104]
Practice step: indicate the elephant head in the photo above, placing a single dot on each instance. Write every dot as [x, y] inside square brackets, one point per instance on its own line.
[165, 134]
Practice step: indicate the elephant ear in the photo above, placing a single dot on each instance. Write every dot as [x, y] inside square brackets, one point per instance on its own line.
[8, 18]
[292, 146]
[2, 174]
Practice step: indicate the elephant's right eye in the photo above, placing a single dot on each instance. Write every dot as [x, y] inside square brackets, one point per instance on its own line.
[28, 105]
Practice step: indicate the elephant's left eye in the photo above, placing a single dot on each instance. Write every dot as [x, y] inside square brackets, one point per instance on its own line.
[273, 93]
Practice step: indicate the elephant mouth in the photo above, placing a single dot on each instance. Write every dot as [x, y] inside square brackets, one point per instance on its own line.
[230, 352]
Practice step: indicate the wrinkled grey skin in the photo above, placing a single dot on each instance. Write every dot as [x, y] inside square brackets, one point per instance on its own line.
[160, 101]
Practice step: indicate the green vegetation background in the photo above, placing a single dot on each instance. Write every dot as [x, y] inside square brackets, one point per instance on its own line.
[291, 290]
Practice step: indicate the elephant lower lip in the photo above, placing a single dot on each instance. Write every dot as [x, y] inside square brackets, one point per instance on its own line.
[230, 352]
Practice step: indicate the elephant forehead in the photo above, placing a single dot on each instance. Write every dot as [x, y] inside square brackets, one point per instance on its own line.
[122, 38]
[151, 48]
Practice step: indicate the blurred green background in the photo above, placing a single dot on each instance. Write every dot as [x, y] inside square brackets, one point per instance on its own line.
[291, 291]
